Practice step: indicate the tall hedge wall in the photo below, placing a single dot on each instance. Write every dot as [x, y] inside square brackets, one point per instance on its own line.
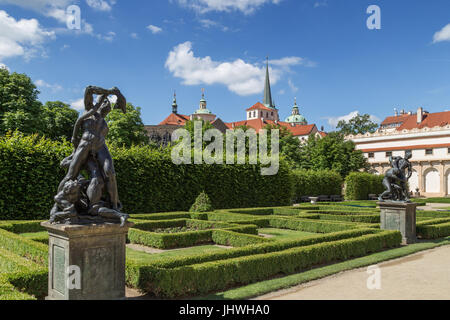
[148, 181]
[360, 184]
[316, 183]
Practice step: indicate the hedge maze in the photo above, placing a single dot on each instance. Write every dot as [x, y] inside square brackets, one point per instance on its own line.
[199, 253]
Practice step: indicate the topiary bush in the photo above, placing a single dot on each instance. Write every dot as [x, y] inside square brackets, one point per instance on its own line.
[316, 183]
[202, 204]
[360, 184]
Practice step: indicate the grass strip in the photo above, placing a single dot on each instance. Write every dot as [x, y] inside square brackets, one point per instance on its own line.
[264, 287]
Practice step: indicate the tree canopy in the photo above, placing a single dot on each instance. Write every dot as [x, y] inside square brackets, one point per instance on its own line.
[360, 124]
[332, 152]
[58, 120]
[126, 130]
[19, 107]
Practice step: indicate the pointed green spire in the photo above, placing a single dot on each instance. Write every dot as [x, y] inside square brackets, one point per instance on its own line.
[268, 102]
[174, 104]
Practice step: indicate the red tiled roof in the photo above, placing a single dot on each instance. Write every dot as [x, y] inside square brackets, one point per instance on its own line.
[395, 119]
[430, 120]
[175, 119]
[323, 134]
[259, 106]
[409, 121]
[258, 124]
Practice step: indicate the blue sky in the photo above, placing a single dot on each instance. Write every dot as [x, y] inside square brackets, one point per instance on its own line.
[321, 52]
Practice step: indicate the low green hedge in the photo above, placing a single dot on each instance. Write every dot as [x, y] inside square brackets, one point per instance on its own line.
[316, 183]
[358, 185]
[235, 239]
[20, 274]
[37, 252]
[310, 225]
[169, 240]
[23, 226]
[217, 275]
[278, 245]
[169, 216]
[9, 293]
[34, 282]
[433, 229]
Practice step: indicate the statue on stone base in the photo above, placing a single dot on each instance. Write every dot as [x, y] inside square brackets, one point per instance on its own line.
[396, 179]
[96, 198]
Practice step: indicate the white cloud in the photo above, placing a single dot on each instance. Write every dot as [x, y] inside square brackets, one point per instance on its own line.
[100, 5]
[21, 37]
[78, 104]
[134, 35]
[294, 89]
[52, 87]
[3, 66]
[207, 23]
[442, 35]
[333, 121]
[154, 29]
[49, 8]
[244, 6]
[240, 77]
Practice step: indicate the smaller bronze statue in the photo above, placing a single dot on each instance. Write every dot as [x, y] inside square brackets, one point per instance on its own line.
[396, 179]
[95, 198]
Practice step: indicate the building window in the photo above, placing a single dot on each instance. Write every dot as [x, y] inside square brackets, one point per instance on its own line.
[388, 154]
[429, 152]
[448, 151]
[371, 155]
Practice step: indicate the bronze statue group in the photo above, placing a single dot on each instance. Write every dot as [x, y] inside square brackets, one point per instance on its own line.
[92, 197]
[396, 179]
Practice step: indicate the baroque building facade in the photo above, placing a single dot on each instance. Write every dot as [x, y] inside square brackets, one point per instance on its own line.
[426, 135]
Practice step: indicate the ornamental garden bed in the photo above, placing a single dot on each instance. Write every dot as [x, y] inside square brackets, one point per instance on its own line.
[261, 243]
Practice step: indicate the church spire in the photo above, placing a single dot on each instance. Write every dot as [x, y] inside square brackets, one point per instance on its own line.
[174, 104]
[268, 102]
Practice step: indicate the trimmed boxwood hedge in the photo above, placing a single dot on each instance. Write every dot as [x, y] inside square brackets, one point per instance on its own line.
[316, 183]
[433, 229]
[202, 278]
[310, 225]
[35, 251]
[147, 179]
[358, 185]
[234, 239]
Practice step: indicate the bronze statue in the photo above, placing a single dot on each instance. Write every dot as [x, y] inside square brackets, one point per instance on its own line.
[95, 198]
[396, 179]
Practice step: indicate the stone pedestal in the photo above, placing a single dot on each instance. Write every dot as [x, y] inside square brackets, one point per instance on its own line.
[86, 262]
[399, 216]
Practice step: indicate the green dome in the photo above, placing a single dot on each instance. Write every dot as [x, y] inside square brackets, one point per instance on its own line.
[296, 119]
[203, 111]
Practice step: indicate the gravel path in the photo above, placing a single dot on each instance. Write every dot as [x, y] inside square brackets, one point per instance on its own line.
[424, 275]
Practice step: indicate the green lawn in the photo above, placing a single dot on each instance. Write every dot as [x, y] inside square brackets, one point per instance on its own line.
[140, 256]
[281, 234]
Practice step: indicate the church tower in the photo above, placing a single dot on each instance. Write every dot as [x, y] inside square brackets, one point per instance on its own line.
[267, 109]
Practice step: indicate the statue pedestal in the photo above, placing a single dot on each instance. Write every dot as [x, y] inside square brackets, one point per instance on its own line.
[86, 262]
[399, 216]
